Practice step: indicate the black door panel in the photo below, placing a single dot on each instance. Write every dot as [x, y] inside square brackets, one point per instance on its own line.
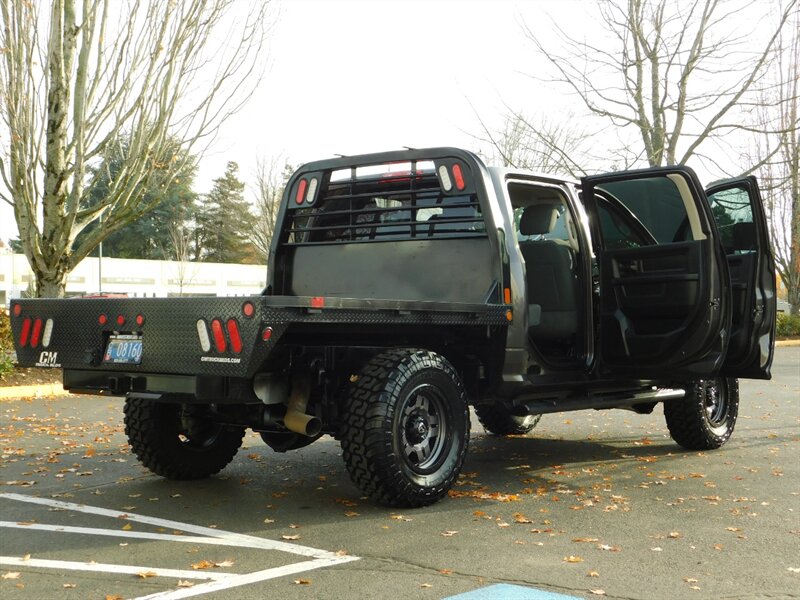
[739, 213]
[664, 302]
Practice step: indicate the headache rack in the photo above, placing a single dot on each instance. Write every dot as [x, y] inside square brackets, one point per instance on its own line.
[410, 200]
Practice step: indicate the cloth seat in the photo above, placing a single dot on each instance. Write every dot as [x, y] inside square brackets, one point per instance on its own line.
[550, 278]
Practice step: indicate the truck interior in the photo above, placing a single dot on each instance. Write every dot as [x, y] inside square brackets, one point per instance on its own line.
[548, 242]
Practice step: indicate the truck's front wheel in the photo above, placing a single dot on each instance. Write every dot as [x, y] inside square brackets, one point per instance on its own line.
[176, 445]
[406, 428]
[704, 419]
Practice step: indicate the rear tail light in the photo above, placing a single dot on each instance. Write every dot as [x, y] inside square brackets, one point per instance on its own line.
[48, 333]
[267, 334]
[120, 320]
[102, 319]
[202, 333]
[444, 176]
[36, 333]
[233, 334]
[301, 191]
[458, 175]
[219, 335]
[139, 320]
[26, 331]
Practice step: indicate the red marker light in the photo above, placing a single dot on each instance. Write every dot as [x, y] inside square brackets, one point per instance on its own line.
[219, 335]
[458, 175]
[102, 319]
[139, 320]
[267, 334]
[17, 310]
[301, 191]
[317, 302]
[248, 309]
[233, 334]
[120, 320]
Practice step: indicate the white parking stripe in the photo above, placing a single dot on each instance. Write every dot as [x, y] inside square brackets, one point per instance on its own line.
[145, 535]
[107, 568]
[255, 577]
[207, 535]
[244, 540]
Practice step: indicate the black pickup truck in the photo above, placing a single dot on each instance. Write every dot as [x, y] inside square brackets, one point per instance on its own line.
[404, 287]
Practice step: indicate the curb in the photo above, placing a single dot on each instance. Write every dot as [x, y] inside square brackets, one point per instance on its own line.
[23, 392]
[785, 343]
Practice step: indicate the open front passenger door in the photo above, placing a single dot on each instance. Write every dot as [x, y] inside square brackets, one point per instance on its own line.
[742, 225]
[664, 300]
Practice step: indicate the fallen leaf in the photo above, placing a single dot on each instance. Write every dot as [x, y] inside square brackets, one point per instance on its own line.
[127, 527]
[448, 533]
[573, 559]
[351, 513]
[425, 585]
[268, 521]
[183, 583]
[674, 535]
[399, 518]
[584, 539]
[690, 580]
[69, 585]
[609, 548]
[225, 563]
[146, 574]
[302, 582]
[26, 557]
[114, 597]
[12, 575]
[520, 518]
[593, 574]
[598, 592]
[203, 564]
[446, 571]
[291, 537]
[793, 569]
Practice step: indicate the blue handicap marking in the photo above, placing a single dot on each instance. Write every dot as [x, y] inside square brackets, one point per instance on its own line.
[504, 591]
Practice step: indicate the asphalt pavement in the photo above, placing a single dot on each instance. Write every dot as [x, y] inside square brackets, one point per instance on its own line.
[590, 504]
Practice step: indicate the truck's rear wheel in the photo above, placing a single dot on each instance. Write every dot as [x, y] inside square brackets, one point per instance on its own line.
[496, 419]
[406, 428]
[175, 445]
[704, 419]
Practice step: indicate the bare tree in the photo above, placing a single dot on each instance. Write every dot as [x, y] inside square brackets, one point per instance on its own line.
[675, 73]
[271, 178]
[78, 80]
[779, 111]
[181, 237]
[544, 145]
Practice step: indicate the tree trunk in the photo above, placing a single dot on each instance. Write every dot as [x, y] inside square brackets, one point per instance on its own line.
[51, 284]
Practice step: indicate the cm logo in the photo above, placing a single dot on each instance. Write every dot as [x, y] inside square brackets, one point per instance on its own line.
[48, 359]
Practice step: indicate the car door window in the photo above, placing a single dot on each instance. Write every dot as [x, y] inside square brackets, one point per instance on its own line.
[734, 216]
[647, 211]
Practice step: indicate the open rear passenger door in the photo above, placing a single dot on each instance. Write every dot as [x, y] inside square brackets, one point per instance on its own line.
[664, 299]
[739, 213]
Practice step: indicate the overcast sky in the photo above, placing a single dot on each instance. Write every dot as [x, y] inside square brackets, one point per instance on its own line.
[360, 76]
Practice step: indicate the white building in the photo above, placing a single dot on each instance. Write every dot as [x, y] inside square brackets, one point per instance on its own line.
[154, 278]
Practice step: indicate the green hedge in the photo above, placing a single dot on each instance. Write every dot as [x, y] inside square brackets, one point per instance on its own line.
[788, 325]
[6, 344]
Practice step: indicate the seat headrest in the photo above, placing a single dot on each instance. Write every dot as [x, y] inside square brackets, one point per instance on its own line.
[538, 219]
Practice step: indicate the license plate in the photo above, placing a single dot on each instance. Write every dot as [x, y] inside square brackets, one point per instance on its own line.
[124, 349]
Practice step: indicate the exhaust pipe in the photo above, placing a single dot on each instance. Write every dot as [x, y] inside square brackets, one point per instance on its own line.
[296, 419]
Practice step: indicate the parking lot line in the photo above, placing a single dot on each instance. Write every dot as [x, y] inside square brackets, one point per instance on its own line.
[206, 535]
[70, 565]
